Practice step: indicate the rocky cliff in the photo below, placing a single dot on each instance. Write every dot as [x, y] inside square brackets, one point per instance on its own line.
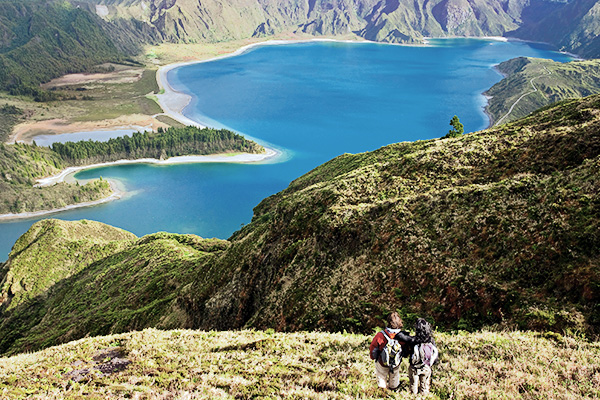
[380, 20]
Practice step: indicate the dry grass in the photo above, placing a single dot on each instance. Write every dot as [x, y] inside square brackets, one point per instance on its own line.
[186, 364]
[169, 53]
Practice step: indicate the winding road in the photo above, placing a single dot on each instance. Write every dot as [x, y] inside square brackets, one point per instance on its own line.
[522, 96]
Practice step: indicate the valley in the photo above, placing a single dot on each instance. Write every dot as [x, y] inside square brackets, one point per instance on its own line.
[258, 257]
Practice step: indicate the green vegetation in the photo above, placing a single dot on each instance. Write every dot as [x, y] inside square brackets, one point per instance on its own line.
[44, 40]
[494, 229]
[127, 284]
[543, 82]
[164, 144]
[9, 117]
[252, 364]
[457, 128]
[113, 100]
[28, 277]
[22, 164]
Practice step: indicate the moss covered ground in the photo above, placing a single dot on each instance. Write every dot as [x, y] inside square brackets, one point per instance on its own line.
[190, 364]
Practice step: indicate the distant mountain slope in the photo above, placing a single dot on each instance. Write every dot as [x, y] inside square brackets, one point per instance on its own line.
[498, 227]
[533, 83]
[567, 24]
[42, 40]
[389, 20]
[573, 26]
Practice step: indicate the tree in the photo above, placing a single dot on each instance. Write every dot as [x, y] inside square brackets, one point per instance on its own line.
[457, 128]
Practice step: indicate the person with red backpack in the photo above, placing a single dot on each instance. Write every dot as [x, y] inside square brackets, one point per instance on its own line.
[422, 356]
[387, 351]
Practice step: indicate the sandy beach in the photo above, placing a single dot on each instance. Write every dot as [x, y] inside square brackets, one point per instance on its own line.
[241, 158]
[173, 103]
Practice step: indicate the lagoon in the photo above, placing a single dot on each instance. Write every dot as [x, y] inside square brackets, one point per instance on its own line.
[100, 136]
[312, 101]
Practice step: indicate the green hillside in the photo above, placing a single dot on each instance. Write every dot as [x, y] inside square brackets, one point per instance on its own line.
[497, 228]
[22, 164]
[533, 83]
[74, 247]
[154, 364]
[573, 25]
[44, 40]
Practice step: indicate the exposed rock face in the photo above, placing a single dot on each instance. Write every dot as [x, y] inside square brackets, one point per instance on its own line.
[380, 20]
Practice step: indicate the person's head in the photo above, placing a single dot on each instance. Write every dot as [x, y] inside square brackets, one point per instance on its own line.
[423, 332]
[394, 321]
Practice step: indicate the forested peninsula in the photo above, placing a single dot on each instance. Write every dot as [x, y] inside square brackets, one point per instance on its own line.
[22, 164]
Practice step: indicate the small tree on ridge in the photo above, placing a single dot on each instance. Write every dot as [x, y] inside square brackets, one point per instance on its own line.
[457, 128]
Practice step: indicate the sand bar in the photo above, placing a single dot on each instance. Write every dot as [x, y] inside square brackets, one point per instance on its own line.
[241, 158]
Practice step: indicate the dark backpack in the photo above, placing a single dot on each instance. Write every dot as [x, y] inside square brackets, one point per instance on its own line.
[391, 356]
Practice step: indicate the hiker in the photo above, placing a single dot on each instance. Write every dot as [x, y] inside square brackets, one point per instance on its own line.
[386, 350]
[422, 356]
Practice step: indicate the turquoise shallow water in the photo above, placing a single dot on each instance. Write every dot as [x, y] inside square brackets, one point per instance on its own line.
[314, 101]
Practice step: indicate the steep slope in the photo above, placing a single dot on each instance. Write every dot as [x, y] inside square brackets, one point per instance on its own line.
[98, 281]
[533, 83]
[496, 227]
[155, 364]
[74, 246]
[499, 227]
[43, 40]
[385, 20]
[573, 26]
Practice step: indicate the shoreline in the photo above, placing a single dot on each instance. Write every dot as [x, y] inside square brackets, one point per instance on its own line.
[173, 102]
[117, 194]
[240, 158]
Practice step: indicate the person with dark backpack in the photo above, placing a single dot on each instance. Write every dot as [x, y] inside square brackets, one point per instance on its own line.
[387, 351]
[423, 355]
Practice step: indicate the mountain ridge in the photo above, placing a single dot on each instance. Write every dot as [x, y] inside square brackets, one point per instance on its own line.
[497, 228]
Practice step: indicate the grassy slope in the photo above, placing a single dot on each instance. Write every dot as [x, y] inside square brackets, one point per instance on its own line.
[112, 100]
[126, 285]
[555, 82]
[74, 246]
[21, 164]
[44, 41]
[496, 228]
[499, 226]
[251, 364]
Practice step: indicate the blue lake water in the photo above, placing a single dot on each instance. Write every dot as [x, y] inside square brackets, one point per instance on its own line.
[99, 136]
[314, 101]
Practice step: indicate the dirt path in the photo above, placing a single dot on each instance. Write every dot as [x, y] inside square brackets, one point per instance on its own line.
[535, 89]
